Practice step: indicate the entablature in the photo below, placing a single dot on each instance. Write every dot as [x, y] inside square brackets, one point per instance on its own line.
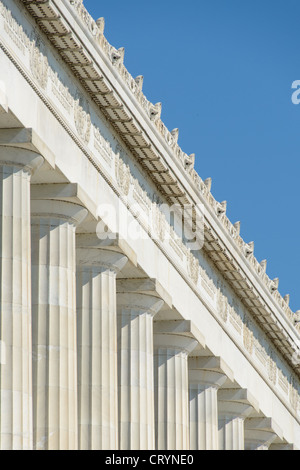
[99, 67]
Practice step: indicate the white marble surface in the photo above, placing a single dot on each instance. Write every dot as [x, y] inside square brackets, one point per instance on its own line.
[16, 167]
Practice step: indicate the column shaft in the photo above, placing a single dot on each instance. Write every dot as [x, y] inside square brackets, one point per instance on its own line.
[16, 166]
[135, 366]
[234, 405]
[97, 347]
[172, 391]
[54, 324]
[231, 432]
[204, 387]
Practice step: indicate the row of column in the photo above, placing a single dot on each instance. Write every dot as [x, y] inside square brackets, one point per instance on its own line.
[83, 367]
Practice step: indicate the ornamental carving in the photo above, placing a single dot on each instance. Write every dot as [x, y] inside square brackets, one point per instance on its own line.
[158, 222]
[39, 62]
[82, 119]
[294, 394]
[272, 369]
[86, 18]
[122, 172]
[222, 306]
[193, 267]
[235, 318]
[248, 338]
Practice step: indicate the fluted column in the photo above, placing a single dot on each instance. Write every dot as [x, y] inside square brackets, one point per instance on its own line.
[234, 406]
[135, 368]
[54, 323]
[260, 433]
[97, 344]
[16, 168]
[205, 379]
[172, 390]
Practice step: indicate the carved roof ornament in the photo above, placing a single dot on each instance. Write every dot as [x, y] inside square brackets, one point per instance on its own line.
[101, 25]
[189, 162]
[286, 298]
[263, 265]
[117, 56]
[297, 317]
[85, 17]
[208, 183]
[249, 249]
[221, 208]
[274, 284]
[175, 134]
[139, 80]
[237, 227]
[155, 112]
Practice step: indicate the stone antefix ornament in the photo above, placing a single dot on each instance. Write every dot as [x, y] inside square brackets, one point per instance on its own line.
[221, 208]
[86, 18]
[117, 56]
[155, 112]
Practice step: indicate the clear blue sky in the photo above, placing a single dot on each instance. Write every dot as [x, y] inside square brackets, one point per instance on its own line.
[223, 70]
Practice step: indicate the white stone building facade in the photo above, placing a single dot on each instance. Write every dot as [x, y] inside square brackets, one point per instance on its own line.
[121, 327]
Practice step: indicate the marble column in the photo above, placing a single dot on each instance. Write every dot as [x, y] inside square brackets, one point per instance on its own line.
[16, 168]
[97, 344]
[260, 433]
[234, 406]
[205, 379]
[54, 323]
[135, 369]
[172, 390]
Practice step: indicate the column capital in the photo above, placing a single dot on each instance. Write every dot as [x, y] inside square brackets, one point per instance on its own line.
[182, 331]
[260, 433]
[145, 303]
[146, 286]
[209, 371]
[65, 192]
[90, 252]
[19, 157]
[143, 294]
[206, 378]
[183, 344]
[26, 139]
[69, 211]
[237, 403]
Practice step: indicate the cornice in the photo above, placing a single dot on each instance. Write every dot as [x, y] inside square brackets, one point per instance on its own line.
[99, 67]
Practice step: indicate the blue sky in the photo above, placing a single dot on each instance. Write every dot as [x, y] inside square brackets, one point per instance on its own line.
[223, 70]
